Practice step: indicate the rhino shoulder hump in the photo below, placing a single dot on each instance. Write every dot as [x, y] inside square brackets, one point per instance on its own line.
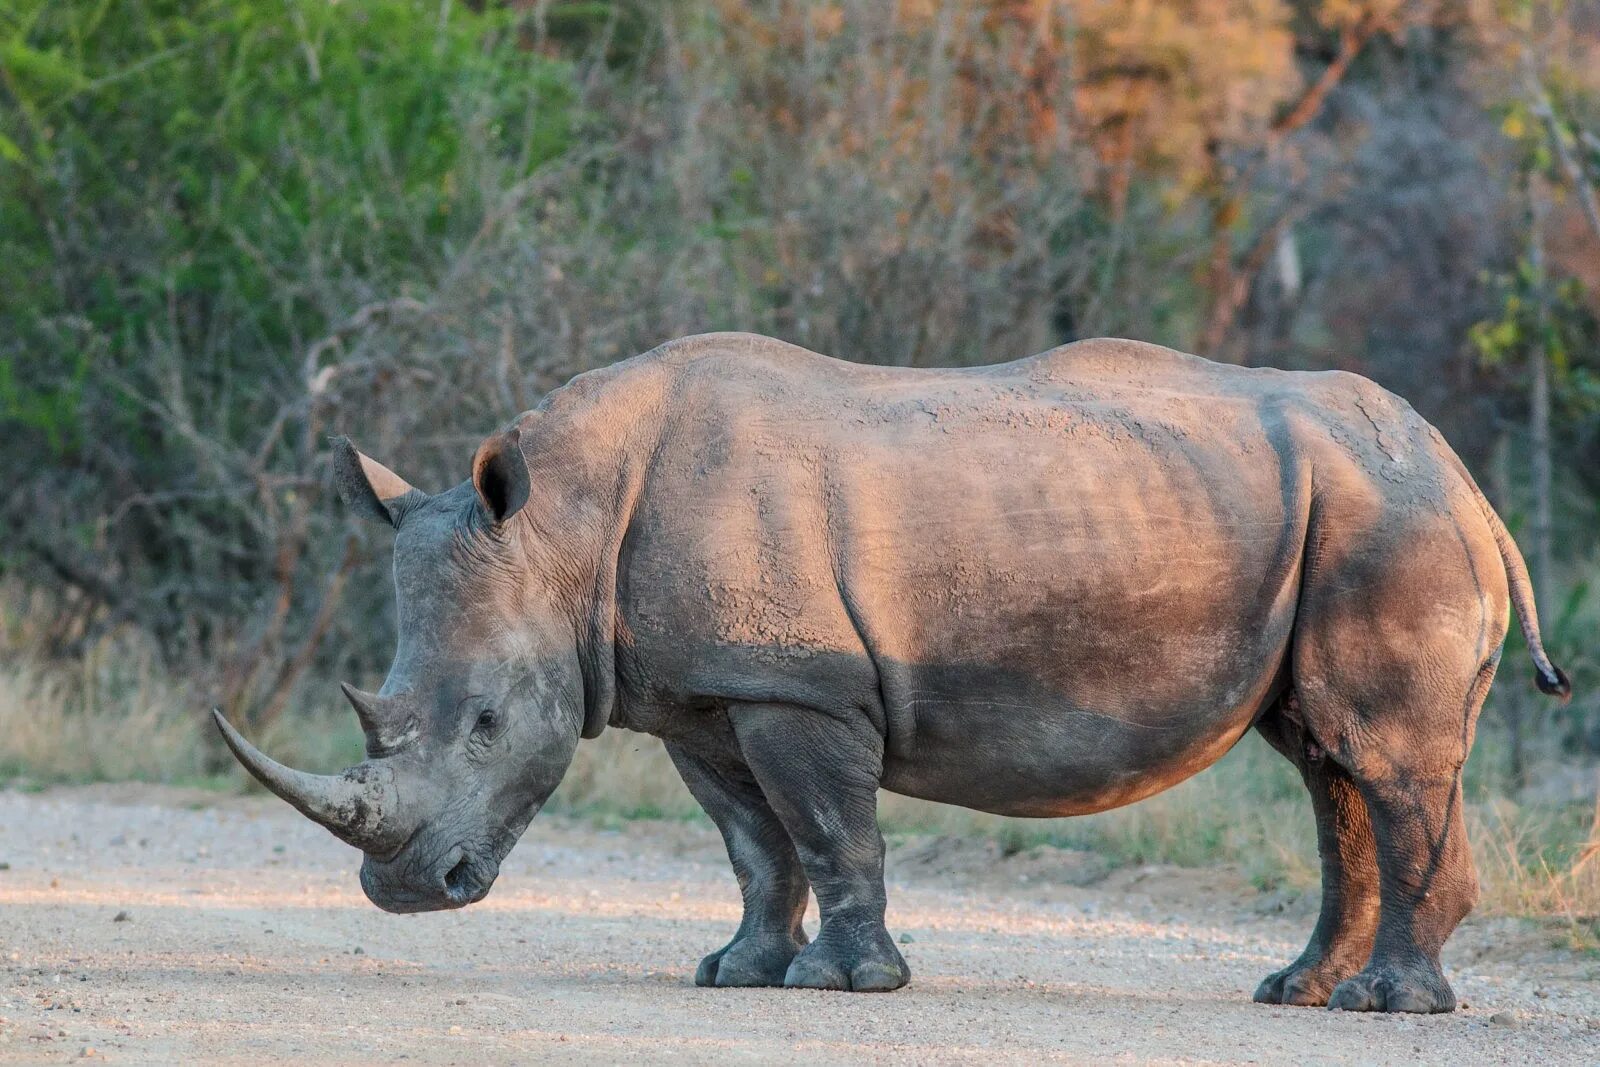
[730, 348]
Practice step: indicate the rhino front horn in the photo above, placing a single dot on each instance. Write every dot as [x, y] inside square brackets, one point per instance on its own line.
[357, 806]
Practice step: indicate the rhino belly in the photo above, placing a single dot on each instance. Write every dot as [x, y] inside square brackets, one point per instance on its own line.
[1014, 750]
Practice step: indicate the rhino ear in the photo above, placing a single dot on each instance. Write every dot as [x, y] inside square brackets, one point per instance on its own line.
[367, 487]
[500, 475]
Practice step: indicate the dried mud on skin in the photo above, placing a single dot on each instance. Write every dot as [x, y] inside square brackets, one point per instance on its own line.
[147, 925]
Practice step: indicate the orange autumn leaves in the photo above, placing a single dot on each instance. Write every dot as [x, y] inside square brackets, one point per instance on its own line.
[1148, 86]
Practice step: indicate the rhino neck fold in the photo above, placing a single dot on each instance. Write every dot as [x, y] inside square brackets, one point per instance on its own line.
[588, 450]
[600, 628]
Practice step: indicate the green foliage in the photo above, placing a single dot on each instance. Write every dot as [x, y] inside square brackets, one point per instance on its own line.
[1564, 328]
[191, 196]
[183, 174]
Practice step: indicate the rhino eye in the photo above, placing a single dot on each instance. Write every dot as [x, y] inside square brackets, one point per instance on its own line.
[487, 721]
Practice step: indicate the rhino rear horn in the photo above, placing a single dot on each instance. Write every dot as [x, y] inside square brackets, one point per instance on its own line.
[385, 727]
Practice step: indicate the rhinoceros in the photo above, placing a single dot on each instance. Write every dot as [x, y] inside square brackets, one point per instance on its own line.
[1039, 588]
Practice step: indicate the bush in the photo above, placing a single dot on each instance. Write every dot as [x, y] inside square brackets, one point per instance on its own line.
[191, 195]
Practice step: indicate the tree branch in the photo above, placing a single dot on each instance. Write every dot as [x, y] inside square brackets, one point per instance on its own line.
[1352, 40]
[295, 666]
[1546, 112]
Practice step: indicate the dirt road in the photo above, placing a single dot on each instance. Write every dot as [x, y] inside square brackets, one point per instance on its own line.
[152, 926]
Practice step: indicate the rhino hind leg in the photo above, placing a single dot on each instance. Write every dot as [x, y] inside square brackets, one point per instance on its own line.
[771, 880]
[1427, 879]
[1393, 659]
[820, 773]
[1428, 885]
[1391, 823]
[1343, 937]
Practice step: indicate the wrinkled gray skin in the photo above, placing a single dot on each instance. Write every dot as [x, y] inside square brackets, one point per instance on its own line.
[1041, 588]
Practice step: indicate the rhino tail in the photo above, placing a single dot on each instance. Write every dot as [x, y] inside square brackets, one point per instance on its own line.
[1549, 678]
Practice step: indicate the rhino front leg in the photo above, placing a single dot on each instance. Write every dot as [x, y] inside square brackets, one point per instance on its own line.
[820, 773]
[771, 879]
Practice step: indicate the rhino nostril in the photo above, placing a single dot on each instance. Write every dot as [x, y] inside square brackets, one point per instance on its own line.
[455, 880]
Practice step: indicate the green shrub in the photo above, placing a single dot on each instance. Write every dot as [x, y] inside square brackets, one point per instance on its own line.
[192, 174]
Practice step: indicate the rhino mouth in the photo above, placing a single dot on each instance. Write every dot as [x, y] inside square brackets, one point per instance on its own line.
[466, 882]
[421, 876]
[459, 877]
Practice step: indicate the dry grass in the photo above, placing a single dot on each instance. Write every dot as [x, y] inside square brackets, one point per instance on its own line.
[114, 714]
[622, 775]
[110, 717]
[1540, 861]
[116, 717]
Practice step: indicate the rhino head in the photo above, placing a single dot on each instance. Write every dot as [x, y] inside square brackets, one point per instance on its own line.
[484, 702]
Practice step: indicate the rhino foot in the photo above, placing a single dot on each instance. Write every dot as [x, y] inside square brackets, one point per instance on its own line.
[1420, 989]
[1301, 984]
[873, 967]
[748, 961]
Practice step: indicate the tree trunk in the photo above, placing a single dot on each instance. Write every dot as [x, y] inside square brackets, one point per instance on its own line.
[1538, 428]
[1539, 407]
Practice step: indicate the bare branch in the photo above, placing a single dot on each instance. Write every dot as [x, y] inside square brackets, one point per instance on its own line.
[316, 633]
[317, 377]
[1581, 185]
[1352, 40]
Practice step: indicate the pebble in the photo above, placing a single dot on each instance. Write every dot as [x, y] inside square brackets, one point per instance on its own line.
[121, 917]
[1505, 1018]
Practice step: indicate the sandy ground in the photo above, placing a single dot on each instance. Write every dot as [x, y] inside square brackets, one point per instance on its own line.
[141, 925]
